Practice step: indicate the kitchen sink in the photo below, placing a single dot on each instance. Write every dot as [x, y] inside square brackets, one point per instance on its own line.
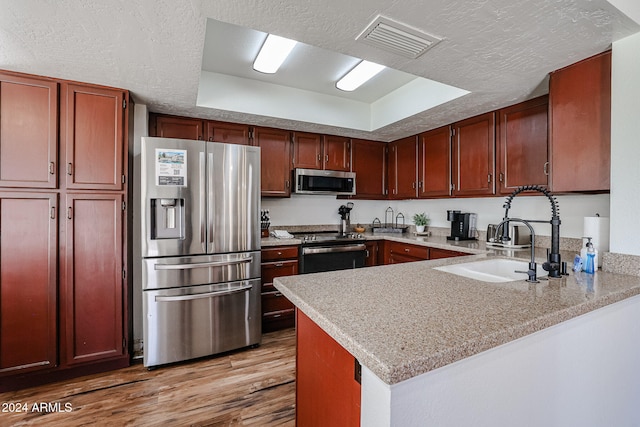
[493, 270]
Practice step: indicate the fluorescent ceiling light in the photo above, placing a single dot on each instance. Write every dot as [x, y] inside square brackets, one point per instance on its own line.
[358, 75]
[273, 53]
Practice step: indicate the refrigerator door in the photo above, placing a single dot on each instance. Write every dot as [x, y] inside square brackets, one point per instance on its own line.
[173, 208]
[233, 198]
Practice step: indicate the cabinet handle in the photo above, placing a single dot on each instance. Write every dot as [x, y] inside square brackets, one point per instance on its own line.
[69, 169]
[546, 168]
[69, 212]
[501, 177]
[286, 183]
[420, 184]
[319, 158]
[413, 185]
[279, 264]
[406, 249]
[53, 212]
[277, 294]
[488, 177]
[279, 253]
[52, 168]
[326, 158]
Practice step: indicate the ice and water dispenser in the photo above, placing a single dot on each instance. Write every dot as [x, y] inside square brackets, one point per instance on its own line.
[167, 219]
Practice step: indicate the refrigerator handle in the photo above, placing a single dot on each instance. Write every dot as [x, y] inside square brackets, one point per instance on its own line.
[202, 264]
[200, 296]
[201, 196]
[211, 202]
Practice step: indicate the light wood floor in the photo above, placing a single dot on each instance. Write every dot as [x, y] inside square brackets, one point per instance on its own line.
[255, 387]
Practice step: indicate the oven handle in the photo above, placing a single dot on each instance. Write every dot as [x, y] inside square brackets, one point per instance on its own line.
[332, 249]
[201, 264]
[203, 295]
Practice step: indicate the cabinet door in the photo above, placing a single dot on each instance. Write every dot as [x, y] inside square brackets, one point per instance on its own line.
[473, 156]
[231, 133]
[369, 164]
[275, 161]
[307, 150]
[92, 309]
[437, 253]
[372, 253]
[580, 125]
[178, 127]
[403, 168]
[337, 153]
[434, 163]
[522, 145]
[94, 137]
[28, 132]
[28, 257]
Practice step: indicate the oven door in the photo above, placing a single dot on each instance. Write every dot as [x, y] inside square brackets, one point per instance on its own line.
[315, 259]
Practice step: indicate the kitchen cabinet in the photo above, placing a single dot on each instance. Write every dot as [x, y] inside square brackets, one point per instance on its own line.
[473, 156]
[369, 164]
[522, 152]
[28, 131]
[275, 161]
[230, 133]
[580, 125]
[313, 151]
[398, 252]
[277, 310]
[175, 127]
[92, 125]
[327, 378]
[28, 282]
[403, 168]
[92, 278]
[373, 248]
[434, 163]
[437, 253]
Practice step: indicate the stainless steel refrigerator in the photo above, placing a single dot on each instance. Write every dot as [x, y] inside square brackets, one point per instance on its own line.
[200, 204]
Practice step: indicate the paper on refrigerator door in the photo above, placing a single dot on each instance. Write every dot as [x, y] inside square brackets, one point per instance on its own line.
[171, 167]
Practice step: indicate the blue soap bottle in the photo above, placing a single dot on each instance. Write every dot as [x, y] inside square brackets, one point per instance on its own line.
[590, 267]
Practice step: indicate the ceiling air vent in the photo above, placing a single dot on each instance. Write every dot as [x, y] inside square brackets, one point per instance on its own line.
[395, 37]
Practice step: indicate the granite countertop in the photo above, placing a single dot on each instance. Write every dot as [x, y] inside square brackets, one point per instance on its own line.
[404, 320]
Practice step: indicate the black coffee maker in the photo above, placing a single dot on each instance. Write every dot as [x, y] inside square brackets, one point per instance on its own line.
[463, 225]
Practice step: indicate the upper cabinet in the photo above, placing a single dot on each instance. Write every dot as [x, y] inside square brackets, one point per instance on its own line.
[92, 136]
[176, 127]
[522, 145]
[369, 164]
[580, 125]
[230, 133]
[473, 156]
[434, 163]
[28, 131]
[314, 151]
[275, 161]
[402, 168]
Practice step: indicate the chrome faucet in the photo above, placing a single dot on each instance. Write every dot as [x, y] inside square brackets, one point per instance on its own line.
[553, 263]
[532, 263]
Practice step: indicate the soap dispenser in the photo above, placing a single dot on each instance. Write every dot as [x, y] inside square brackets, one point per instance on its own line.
[591, 258]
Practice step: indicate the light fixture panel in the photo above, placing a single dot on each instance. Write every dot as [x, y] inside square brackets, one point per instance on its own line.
[273, 53]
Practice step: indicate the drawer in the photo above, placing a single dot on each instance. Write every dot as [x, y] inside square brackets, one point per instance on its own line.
[279, 252]
[437, 253]
[278, 269]
[275, 301]
[414, 251]
[277, 320]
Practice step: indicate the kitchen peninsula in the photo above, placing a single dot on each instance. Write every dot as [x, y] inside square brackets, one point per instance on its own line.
[440, 349]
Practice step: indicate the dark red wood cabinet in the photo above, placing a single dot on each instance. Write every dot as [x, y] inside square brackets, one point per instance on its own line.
[369, 164]
[175, 127]
[402, 172]
[63, 278]
[580, 125]
[315, 151]
[230, 133]
[327, 385]
[434, 163]
[277, 310]
[473, 156]
[275, 161]
[28, 282]
[28, 131]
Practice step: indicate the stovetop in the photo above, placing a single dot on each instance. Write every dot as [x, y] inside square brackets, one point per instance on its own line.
[329, 238]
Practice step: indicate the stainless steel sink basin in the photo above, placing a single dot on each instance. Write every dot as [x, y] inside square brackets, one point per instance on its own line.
[493, 270]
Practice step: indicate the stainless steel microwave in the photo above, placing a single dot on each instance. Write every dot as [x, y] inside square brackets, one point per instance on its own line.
[314, 181]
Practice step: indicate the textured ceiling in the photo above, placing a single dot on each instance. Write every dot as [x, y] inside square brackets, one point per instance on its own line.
[500, 50]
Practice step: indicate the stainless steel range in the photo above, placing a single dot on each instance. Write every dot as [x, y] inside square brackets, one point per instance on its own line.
[331, 251]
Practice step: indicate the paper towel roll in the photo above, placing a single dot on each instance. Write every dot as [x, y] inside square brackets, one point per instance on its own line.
[597, 228]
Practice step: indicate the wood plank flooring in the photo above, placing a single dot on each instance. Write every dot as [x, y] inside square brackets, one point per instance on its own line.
[255, 387]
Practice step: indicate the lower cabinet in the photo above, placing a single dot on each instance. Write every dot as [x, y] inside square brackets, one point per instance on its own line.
[277, 310]
[327, 379]
[373, 249]
[398, 252]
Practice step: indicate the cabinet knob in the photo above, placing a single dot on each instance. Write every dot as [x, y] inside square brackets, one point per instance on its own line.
[406, 249]
[279, 253]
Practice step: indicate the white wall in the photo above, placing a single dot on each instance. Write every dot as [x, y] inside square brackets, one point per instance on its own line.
[313, 209]
[625, 146]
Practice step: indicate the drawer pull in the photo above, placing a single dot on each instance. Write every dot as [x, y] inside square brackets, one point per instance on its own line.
[279, 264]
[406, 249]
